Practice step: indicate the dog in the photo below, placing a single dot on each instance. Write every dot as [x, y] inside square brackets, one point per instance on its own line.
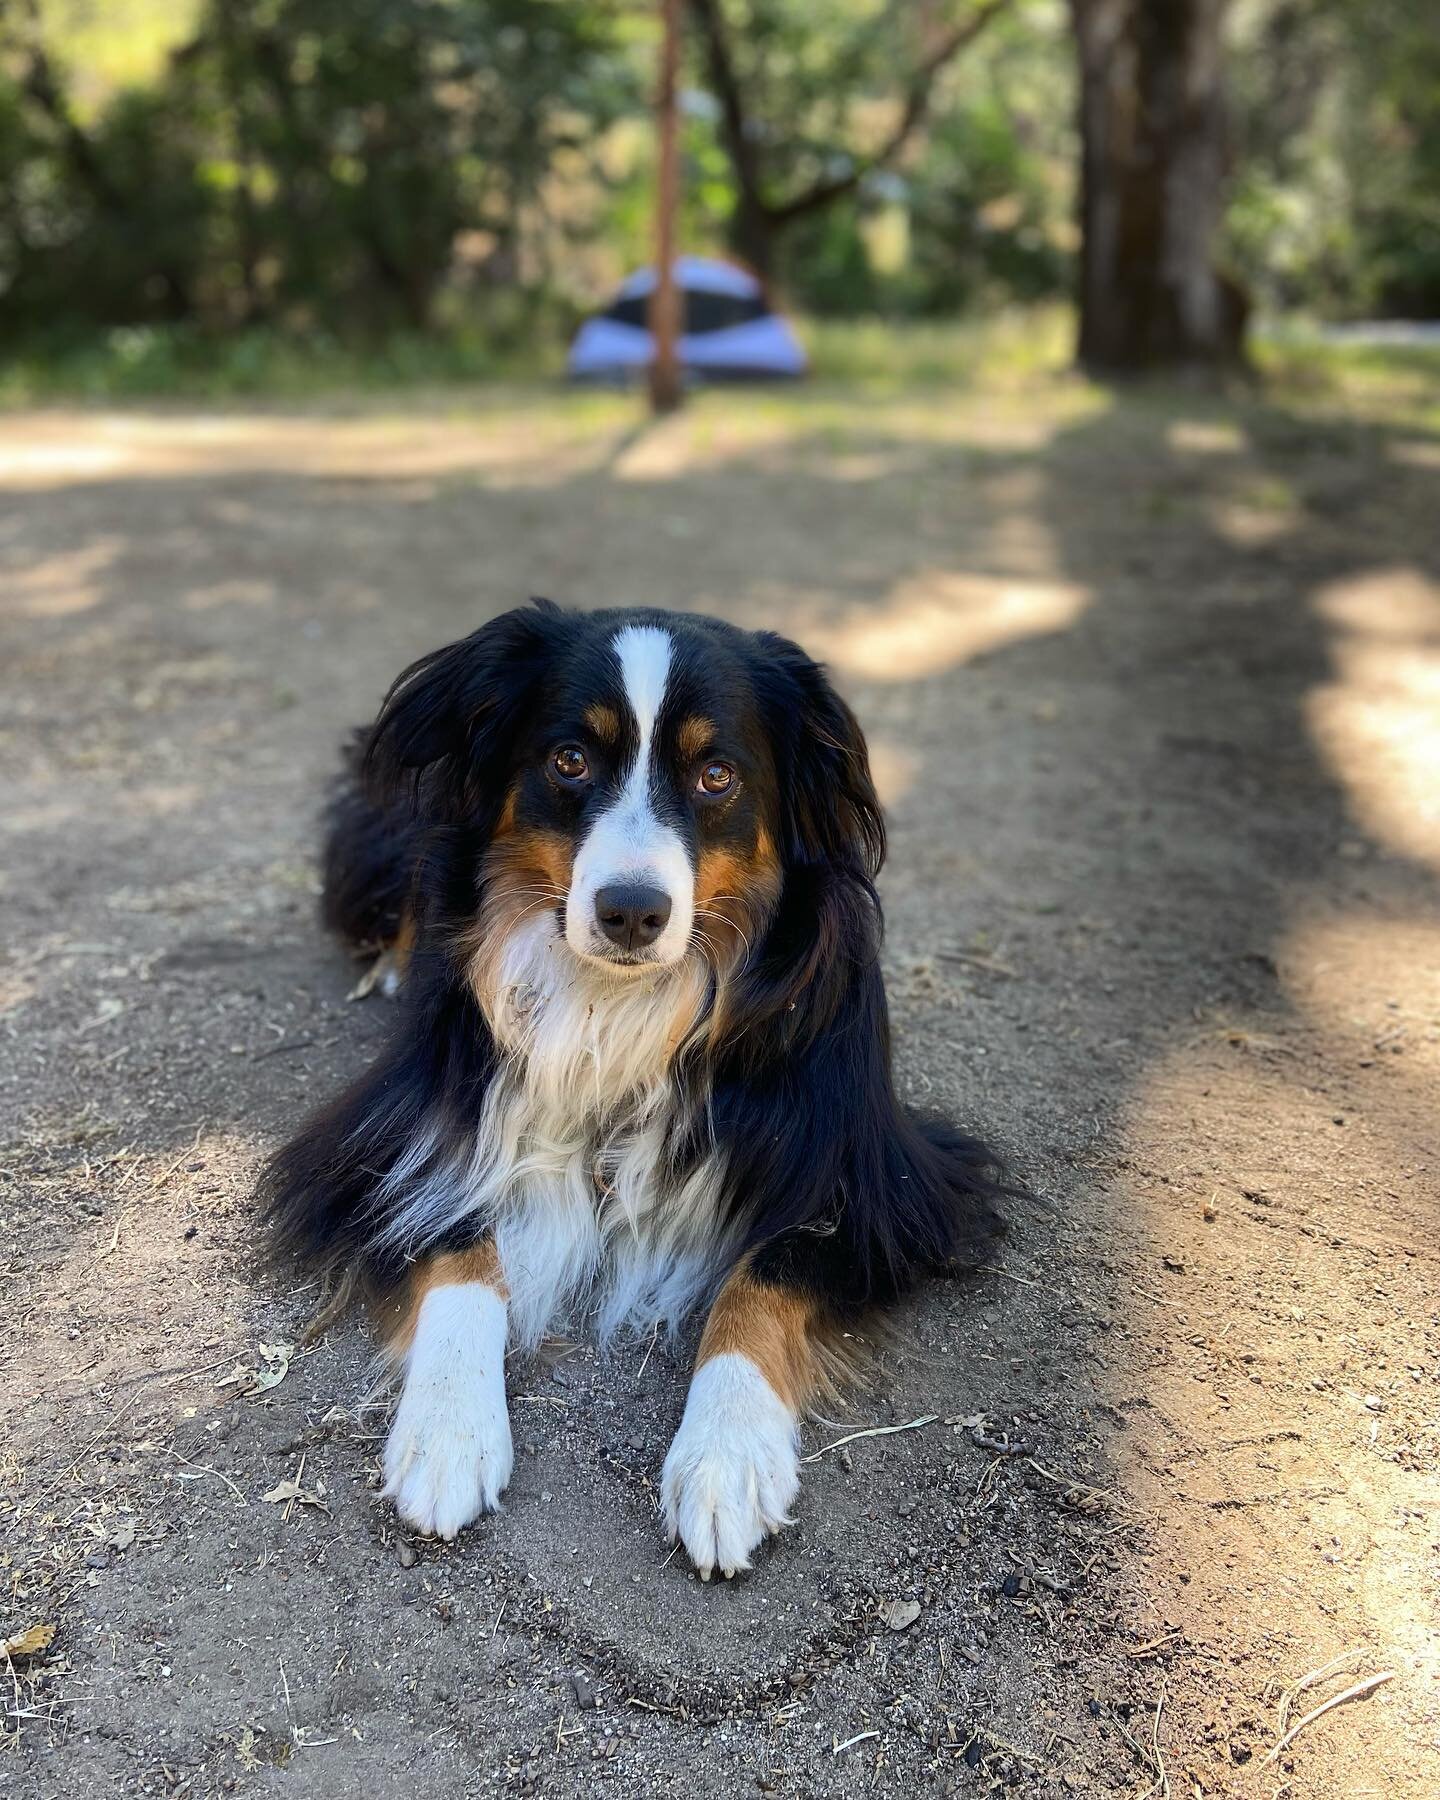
[622, 865]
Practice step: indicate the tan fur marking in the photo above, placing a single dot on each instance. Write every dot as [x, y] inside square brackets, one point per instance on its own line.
[773, 1327]
[403, 944]
[453, 1268]
[524, 872]
[604, 721]
[506, 822]
[767, 857]
[529, 852]
[735, 892]
[695, 737]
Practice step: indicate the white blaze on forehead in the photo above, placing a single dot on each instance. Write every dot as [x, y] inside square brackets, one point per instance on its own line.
[628, 843]
[643, 652]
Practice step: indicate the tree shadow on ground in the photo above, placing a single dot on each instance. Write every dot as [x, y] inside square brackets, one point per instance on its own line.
[1110, 812]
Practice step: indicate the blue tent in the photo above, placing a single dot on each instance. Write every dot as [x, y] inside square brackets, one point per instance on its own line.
[729, 331]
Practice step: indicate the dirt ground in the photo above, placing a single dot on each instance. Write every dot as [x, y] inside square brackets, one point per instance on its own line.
[1152, 689]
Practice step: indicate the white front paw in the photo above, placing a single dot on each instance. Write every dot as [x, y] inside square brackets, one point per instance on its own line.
[733, 1470]
[443, 1472]
[449, 1454]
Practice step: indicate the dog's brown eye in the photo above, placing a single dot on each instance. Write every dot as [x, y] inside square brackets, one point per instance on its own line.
[570, 763]
[716, 778]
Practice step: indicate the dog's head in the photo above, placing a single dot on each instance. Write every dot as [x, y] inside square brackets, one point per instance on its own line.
[646, 782]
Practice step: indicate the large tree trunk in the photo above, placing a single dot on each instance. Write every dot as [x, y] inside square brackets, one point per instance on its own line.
[1153, 132]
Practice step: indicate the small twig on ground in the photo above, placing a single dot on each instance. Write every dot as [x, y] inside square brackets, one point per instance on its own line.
[1292, 1694]
[999, 1743]
[872, 1431]
[205, 1469]
[1356, 1692]
[1075, 1487]
[850, 1742]
[282, 1049]
[1009, 1274]
[1070, 1297]
[1154, 1645]
[1160, 1787]
[299, 1477]
[648, 1348]
[1240, 1443]
[987, 965]
[169, 1170]
[332, 1305]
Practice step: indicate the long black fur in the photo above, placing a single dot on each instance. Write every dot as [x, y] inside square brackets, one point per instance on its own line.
[840, 1189]
[369, 857]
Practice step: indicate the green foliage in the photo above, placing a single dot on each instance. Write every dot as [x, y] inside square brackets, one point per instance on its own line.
[1012, 347]
[222, 194]
[1336, 203]
[135, 362]
[984, 195]
[296, 162]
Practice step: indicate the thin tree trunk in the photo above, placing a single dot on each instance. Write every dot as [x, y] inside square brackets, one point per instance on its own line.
[1153, 132]
[665, 383]
[751, 233]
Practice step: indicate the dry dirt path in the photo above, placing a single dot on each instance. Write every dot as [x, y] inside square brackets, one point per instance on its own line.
[1153, 694]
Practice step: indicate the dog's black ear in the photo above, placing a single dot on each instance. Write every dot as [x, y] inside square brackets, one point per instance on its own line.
[831, 811]
[825, 931]
[450, 715]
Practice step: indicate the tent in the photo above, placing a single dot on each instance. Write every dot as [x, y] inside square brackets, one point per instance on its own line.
[729, 332]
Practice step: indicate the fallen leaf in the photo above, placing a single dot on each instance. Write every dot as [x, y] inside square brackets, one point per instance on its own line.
[271, 1368]
[29, 1642]
[123, 1536]
[288, 1490]
[900, 1615]
[276, 1360]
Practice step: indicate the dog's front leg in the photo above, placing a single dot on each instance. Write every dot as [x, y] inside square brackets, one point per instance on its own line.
[734, 1467]
[449, 1455]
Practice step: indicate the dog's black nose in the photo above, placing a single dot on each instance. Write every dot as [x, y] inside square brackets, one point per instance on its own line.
[631, 915]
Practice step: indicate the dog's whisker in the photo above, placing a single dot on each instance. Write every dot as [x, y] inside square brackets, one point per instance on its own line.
[705, 912]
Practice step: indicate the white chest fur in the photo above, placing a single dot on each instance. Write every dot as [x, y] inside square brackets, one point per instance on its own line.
[567, 1165]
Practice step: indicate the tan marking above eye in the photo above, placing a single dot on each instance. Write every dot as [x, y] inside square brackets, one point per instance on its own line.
[604, 721]
[694, 738]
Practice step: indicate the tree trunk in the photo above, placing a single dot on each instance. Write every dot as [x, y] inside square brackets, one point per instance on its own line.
[750, 233]
[1153, 134]
[666, 389]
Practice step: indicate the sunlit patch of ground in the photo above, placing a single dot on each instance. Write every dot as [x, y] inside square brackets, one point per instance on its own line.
[1378, 721]
[937, 618]
[1149, 685]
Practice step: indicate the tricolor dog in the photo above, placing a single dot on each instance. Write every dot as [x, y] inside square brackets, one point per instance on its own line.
[623, 866]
